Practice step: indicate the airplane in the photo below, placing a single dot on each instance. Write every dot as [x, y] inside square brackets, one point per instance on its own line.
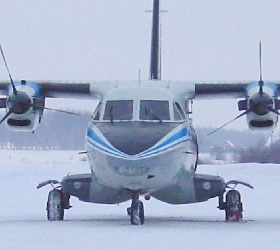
[140, 141]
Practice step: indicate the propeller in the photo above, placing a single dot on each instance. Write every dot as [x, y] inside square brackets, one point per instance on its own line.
[260, 103]
[20, 102]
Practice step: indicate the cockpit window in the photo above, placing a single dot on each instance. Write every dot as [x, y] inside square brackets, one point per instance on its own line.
[154, 110]
[178, 112]
[96, 114]
[118, 110]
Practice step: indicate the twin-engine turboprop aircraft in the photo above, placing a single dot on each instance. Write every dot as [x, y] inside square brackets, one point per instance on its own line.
[140, 140]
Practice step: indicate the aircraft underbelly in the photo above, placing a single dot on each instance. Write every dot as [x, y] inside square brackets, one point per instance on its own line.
[168, 177]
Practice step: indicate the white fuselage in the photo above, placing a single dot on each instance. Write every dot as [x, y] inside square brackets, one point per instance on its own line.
[140, 138]
[152, 169]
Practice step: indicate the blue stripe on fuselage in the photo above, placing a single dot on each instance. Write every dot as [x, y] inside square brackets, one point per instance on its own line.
[180, 134]
[97, 139]
[172, 141]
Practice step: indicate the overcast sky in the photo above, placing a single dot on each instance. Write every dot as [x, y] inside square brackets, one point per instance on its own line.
[202, 40]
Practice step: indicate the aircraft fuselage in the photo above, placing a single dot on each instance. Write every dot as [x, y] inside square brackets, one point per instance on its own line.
[141, 139]
[139, 155]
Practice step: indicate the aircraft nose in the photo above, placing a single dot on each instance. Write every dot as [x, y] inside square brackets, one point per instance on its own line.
[134, 137]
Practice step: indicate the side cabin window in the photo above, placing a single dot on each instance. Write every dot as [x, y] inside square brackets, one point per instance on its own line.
[118, 110]
[178, 112]
[155, 110]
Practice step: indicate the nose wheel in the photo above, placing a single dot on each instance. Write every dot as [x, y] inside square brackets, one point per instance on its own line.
[136, 211]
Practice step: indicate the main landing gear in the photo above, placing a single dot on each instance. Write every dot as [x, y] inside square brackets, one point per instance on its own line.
[57, 201]
[232, 205]
[136, 211]
[55, 210]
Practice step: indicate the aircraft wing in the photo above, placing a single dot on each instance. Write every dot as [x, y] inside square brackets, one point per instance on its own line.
[56, 89]
[95, 89]
[60, 89]
[220, 90]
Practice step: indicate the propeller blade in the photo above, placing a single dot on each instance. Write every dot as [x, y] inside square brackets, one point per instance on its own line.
[6, 116]
[260, 59]
[39, 107]
[11, 79]
[237, 117]
[274, 111]
[58, 110]
[63, 111]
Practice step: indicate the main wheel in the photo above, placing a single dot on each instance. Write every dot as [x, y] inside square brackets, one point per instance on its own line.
[137, 216]
[234, 207]
[55, 210]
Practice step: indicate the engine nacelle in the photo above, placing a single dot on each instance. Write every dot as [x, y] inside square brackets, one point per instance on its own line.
[26, 107]
[27, 122]
[261, 106]
[266, 122]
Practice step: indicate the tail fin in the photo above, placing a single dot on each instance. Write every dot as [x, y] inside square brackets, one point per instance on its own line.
[155, 70]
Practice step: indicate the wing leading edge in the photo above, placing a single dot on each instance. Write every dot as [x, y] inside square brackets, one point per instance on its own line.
[220, 90]
[95, 89]
[55, 89]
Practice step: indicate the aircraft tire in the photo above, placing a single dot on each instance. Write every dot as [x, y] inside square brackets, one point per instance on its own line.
[55, 210]
[137, 216]
[234, 206]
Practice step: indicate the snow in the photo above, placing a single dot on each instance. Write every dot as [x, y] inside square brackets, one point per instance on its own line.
[23, 223]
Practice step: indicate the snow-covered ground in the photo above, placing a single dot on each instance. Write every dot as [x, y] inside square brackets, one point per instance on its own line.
[23, 223]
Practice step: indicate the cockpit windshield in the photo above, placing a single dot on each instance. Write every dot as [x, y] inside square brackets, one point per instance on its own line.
[154, 110]
[118, 110]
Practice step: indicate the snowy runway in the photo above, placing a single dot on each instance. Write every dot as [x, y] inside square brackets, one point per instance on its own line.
[23, 223]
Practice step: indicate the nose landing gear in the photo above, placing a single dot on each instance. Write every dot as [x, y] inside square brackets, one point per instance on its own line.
[136, 211]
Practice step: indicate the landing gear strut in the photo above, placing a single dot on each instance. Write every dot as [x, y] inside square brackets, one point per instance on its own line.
[136, 211]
